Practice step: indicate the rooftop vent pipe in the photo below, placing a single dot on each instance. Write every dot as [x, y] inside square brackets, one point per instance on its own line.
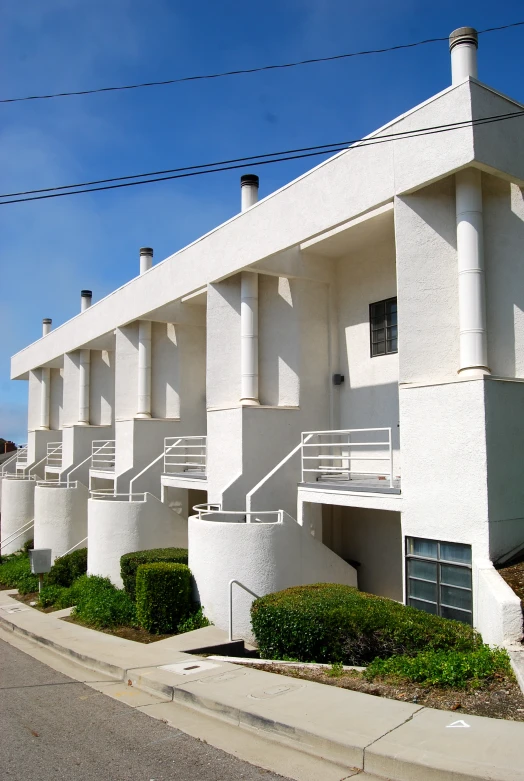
[85, 299]
[146, 259]
[248, 190]
[46, 325]
[463, 45]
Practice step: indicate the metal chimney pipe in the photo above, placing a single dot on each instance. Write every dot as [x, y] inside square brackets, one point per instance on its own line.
[46, 325]
[146, 259]
[85, 299]
[463, 45]
[248, 190]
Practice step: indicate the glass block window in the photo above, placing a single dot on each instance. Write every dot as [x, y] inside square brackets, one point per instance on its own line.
[438, 578]
[383, 327]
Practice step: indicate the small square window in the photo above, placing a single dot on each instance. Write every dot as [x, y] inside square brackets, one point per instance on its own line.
[434, 584]
[383, 327]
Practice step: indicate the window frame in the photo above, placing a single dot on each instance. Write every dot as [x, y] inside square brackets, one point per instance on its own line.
[439, 561]
[385, 327]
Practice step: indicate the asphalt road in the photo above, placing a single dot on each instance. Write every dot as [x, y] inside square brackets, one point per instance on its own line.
[52, 727]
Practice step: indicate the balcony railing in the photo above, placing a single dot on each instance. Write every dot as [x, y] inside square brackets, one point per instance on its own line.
[103, 455]
[362, 454]
[54, 454]
[185, 456]
[21, 458]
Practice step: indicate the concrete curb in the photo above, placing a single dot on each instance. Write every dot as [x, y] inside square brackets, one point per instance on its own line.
[390, 739]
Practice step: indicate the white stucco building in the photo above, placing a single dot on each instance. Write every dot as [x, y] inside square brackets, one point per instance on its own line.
[262, 371]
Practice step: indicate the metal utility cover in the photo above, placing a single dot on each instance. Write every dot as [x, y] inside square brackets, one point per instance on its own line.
[40, 560]
[188, 668]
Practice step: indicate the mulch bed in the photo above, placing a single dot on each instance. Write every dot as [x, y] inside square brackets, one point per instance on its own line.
[27, 599]
[514, 577]
[127, 632]
[499, 699]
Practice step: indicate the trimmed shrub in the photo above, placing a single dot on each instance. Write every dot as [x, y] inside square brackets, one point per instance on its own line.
[100, 604]
[50, 596]
[195, 620]
[457, 669]
[27, 583]
[68, 568]
[328, 622]
[13, 568]
[28, 545]
[163, 596]
[130, 562]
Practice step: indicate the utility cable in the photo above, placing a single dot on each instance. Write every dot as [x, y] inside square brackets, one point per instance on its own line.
[278, 157]
[251, 70]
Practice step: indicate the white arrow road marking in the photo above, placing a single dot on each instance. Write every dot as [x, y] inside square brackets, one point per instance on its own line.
[459, 723]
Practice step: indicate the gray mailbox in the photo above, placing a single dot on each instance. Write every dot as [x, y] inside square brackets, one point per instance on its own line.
[40, 563]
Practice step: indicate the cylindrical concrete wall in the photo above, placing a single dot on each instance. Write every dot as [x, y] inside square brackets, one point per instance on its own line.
[18, 505]
[60, 517]
[265, 557]
[116, 526]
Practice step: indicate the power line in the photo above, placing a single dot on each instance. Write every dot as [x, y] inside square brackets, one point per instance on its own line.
[277, 157]
[250, 70]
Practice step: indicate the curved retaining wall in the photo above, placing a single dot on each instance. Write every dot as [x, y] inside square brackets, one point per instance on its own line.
[116, 527]
[18, 505]
[265, 557]
[60, 517]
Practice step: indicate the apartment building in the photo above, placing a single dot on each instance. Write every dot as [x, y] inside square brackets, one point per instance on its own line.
[327, 387]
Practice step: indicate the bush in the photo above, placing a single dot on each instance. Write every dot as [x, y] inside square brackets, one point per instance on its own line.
[163, 596]
[27, 583]
[28, 545]
[68, 568]
[100, 604]
[328, 622]
[457, 669]
[196, 620]
[129, 563]
[51, 595]
[13, 568]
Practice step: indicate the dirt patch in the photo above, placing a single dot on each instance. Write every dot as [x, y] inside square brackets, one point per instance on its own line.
[514, 577]
[28, 599]
[499, 699]
[127, 632]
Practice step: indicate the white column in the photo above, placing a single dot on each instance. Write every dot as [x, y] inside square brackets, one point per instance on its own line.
[84, 387]
[470, 254]
[45, 395]
[144, 369]
[249, 337]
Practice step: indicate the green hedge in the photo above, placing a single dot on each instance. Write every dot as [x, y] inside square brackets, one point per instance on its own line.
[457, 669]
[129, 563]
[163, 596]
[68, 568]
[99, 603]
[327, 622]
[16, 569]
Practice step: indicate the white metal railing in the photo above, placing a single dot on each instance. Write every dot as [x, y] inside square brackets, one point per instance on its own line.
[106, 494]
[206, 508]
[103, 455]
[11, 461]
[14, 476]
[241, 516]
[17, 533]
[78, 544]
[57, 484]
[231, 584]
[21, 457]
[347, 453]
[54, 454]
[185, 455]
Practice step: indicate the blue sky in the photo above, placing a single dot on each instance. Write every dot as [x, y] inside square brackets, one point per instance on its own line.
[50, 250]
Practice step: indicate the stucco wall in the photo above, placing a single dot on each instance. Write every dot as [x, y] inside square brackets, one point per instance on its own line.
[118, 527]
[279, 353]
[126, 372]
[503, 205]
[223, 342]
[165, 372]
[373, 538]
[444, 488]
[18, 504]
[55, 399]
[497, 611]
[265, 557]
[60, 518]
[77, 444]
[102, 388]
[427, 280]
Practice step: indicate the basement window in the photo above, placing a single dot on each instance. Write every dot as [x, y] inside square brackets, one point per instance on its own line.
[438, 578]
[383, 327]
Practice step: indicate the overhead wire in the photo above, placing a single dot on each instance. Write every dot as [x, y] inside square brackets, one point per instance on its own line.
[243, 71]
[258, 160]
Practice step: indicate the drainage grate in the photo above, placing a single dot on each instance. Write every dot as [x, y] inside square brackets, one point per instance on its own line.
[188, 668]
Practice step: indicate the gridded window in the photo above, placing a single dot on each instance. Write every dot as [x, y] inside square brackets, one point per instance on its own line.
[439, 578]
[383, 325]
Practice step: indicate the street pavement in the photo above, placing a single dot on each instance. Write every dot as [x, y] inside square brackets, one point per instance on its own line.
[52, 727]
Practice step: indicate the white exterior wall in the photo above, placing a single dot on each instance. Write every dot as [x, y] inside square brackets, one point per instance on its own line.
[60, 518]
[18, 505]
[56, 399]
[102, 390]
[165, 374]
[278, 341]
[118, 527]
[266, 557]
[126, 372]
[223, 343]
[497, 610]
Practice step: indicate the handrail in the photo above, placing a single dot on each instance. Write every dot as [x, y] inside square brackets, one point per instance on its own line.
[158, 458]
[56, 484]
[106, 448]
[90, 456]
[185, 465]
[206, 508]
[231, 583]
[73, 548]
[275, 469]
[104, 494]
[33, 466]
[341, 461]
[245, 514]
[8, 461]
[54, 456]
[17, 533]
[16, 476]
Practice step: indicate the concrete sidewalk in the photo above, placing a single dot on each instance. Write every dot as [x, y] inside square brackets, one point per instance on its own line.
[358, 732]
